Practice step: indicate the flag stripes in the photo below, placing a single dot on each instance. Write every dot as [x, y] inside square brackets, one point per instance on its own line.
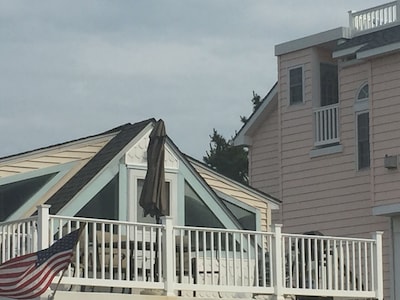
[30, 275]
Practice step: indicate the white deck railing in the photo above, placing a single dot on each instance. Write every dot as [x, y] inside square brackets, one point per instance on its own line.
[204, 262]
[374, 17]
[326, 125]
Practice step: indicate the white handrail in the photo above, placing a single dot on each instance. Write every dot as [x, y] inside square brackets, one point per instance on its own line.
[210, 262]
[374, 17]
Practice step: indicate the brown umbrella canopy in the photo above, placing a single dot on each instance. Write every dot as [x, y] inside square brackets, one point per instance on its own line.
[153, 198]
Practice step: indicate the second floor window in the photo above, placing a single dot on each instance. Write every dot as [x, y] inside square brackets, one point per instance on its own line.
[362, 127]
[329, 84]
[363, 140]
[296, 85]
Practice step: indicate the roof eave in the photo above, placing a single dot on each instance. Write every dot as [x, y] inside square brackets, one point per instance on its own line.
[379, 51]
[243, 136]
[313, 40]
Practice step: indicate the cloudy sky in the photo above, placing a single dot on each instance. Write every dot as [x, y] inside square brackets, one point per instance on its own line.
[70, 69]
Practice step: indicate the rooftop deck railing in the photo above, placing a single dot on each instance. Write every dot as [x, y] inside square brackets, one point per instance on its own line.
[374, 17]
[128, 257]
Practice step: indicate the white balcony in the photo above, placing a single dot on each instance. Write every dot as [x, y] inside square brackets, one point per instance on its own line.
[326, 125]
[123, 257]
[374, 17]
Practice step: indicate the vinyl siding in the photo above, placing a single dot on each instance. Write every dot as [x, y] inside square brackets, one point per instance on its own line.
[386, 127]
[328, 193]
[51, 157]
[263, 159]
[228, 188]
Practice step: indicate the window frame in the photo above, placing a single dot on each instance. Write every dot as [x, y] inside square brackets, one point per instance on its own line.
[61, 171]
[134, 175]
[361, 106]
[297, 84]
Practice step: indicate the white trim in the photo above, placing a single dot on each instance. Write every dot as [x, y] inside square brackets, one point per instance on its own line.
[326, 151]
[243, 137]
[242, 205]
[61, 170]
[209, 197]
[301, 66]
[134, 174]
[313, 40]
[347, 51]
[271, 201]
[102, 177]
[362, 105]
[378, 51]
[386, 210]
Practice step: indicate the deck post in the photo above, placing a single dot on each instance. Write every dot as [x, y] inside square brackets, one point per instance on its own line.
[168, 254]
[378, 265]
[277, 261]
[397, 18]
[43, 226]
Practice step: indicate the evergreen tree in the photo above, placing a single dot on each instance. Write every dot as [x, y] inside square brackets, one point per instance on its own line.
[226, 158]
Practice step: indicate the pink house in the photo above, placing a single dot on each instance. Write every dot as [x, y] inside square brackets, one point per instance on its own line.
[326, 138]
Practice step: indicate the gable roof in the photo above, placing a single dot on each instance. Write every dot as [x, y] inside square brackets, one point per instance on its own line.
[243, 136]
[370, 44]
[124, 134]
[231, 187]
[105, 154]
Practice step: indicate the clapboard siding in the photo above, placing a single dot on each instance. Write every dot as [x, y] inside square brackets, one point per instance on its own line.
[327, 192]
[386, 127]
[226, 186]
[52, 156]
[264, 171]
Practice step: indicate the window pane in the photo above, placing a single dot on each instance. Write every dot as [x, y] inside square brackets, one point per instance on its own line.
[197, 213]
[14, 195]
[105, 204]
[363, 140]
[363, 94]
[140, 212]
[329, 84]
[246, 218]
[296, 85]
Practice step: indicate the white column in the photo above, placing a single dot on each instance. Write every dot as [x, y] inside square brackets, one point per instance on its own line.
[277, 261]
[43, 226]
[168, 252]
[378, 265]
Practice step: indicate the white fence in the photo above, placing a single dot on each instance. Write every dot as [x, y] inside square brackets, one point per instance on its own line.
[204, 262]
[374, 17]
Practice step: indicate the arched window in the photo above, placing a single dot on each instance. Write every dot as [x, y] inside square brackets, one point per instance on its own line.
[362, 128]
[363, 93]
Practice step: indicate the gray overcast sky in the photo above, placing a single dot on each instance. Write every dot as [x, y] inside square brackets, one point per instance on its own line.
[70, 69]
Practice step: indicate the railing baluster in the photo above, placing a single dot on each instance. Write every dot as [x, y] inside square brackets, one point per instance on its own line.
[373, 17]
[326, 122]
[334, 266]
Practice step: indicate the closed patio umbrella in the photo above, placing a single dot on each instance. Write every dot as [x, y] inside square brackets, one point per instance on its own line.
[153, 198]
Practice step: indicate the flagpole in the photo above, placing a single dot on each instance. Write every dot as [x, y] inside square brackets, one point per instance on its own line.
[51, 296]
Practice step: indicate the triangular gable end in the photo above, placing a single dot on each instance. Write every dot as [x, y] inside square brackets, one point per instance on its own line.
[137, 155]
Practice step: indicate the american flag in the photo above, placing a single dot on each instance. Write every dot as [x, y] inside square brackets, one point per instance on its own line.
[29, 276]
